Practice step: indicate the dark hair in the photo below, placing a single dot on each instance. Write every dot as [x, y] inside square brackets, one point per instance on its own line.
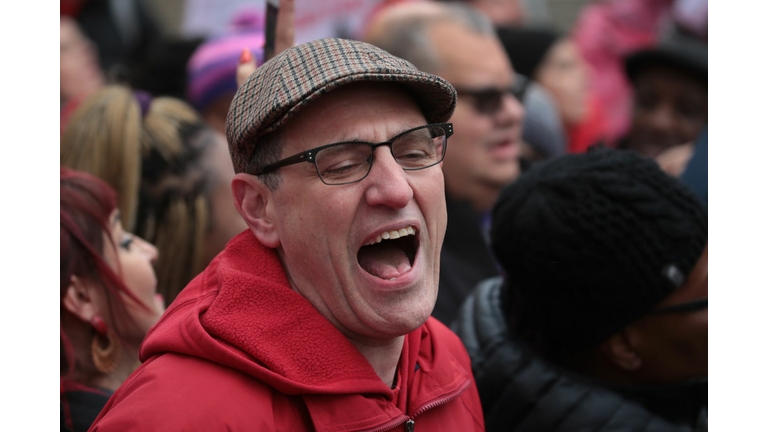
[86, 204]
[527, 47]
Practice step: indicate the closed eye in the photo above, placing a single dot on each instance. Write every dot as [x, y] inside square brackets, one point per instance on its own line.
[413, 155]
[341, 168]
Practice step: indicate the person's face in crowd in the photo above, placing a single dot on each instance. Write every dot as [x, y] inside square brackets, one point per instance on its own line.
[80, 71]
[225, 221]
[564, 74]
[673, 346]
[485, 146]
[132, 259]
[670, 110]
[321, 232]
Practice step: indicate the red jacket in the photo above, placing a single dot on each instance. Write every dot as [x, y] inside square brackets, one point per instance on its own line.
[239, 350]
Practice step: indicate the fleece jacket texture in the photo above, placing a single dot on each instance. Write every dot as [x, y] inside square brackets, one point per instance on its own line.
[239, 350]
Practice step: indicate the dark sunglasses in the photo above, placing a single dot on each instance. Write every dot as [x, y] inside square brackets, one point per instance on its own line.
[489, 100]
[691, 306]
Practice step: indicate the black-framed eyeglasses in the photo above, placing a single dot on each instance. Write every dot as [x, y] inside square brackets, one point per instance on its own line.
[489, 100]
[350, 161]
[691, 306]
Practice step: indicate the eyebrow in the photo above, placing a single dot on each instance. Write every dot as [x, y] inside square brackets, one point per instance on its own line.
[356, 138]
[116, 219]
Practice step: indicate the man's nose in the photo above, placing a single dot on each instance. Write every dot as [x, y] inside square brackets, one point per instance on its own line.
[662, 118]
[387, 182]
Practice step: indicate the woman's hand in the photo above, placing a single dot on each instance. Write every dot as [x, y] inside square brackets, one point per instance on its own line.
[284, 39]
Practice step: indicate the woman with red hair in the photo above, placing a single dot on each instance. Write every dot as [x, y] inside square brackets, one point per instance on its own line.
[108, 294]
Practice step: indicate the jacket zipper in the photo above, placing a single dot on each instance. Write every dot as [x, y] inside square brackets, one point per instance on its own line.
[410, 423]
[391, 424]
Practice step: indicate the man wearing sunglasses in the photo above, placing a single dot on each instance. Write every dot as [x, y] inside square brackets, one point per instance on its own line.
[317, 317]
[600, 322]
[459, 44]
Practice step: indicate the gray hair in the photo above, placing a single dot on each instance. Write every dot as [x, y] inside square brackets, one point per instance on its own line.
[407, 38]
[267, 151]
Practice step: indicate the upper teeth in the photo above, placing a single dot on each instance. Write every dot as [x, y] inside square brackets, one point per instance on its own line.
[391, 235]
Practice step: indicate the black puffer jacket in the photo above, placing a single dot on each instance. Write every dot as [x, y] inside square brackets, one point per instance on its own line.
[522, 392]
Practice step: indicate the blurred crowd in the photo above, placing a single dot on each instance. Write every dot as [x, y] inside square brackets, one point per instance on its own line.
[574, 265]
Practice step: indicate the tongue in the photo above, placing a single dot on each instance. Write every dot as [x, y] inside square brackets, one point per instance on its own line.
[384, 260]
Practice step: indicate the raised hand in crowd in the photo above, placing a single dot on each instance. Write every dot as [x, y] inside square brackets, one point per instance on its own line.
[284, 39]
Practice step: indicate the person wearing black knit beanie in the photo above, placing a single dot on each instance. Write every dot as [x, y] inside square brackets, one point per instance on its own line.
[601, 316]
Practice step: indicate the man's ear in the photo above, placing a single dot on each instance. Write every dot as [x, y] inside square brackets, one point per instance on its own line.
[253, 200]
[619, 350]
[79, 300]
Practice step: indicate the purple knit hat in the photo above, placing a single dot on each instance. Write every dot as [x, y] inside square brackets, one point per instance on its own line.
[211, 71]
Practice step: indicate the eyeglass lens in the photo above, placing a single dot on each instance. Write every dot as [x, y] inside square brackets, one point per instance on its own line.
[488, 101]
[350, 162]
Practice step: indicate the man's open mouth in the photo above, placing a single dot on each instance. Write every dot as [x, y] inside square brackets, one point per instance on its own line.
[390, 254]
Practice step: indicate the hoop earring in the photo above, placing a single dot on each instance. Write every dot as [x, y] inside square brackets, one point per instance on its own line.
[107, 357]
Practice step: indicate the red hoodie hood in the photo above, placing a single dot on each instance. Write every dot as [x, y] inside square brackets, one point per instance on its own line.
[241, 313]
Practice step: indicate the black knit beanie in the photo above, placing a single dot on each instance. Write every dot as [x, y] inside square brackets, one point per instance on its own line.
[527, 47]
[591, 242]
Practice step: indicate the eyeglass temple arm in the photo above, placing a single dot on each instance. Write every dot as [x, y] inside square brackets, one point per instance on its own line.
[682, 307]
[306, 156]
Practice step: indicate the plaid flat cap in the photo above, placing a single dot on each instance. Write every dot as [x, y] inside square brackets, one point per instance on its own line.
[291, 80]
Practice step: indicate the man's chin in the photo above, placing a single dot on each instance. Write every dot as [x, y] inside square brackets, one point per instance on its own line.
[398, 318]
[403, 325]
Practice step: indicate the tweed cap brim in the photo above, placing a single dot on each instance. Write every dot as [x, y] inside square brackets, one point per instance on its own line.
[280, 88]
